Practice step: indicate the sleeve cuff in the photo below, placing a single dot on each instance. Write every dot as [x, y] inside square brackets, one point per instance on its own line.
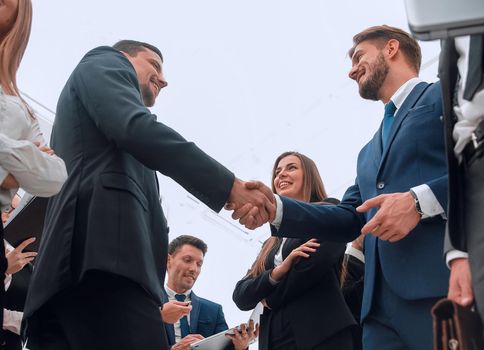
[278, 219]
[454, 254]
[429, 204]
[7, 280]
[358, 254]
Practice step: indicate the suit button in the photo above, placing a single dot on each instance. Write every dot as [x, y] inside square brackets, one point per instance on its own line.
[380, 185]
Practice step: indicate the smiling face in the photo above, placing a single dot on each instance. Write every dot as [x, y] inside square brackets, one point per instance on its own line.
[183, 267]
[289, 178]
[369, 70]
[148, 67]
[8, 15]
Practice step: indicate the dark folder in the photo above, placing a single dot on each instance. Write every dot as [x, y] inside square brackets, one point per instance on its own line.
[27, 220]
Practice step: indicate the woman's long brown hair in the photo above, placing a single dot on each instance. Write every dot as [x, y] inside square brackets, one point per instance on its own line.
[313, 191]
[12, 49]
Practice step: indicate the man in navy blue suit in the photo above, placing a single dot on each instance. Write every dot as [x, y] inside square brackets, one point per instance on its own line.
[398, 198]
[188, 317]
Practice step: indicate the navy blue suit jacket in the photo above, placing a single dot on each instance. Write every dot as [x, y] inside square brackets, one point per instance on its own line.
[206, 318]
[414, 266]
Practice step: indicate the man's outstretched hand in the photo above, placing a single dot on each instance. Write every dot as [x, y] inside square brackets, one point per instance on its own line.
[253, 203]
[395, 218]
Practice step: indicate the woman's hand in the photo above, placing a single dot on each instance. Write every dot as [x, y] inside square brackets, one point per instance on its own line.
[244, 335]
[17, 259]
[9, 182]
[300, 252]
[46, 149]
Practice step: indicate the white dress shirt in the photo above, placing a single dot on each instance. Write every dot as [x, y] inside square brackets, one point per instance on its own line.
[176, 325]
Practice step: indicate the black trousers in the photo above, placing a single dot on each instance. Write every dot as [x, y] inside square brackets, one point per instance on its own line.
[103, 312]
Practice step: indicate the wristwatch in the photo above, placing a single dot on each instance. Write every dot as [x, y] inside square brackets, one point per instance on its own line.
[417, 203]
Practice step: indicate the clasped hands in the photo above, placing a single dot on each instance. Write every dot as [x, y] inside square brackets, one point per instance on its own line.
[253, 203]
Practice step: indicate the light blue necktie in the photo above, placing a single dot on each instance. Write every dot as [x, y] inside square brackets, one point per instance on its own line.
[184, 328]
[388, 120]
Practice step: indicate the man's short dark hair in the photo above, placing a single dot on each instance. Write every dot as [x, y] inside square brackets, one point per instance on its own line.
[180, 241]
[382, 34]
[132, 47]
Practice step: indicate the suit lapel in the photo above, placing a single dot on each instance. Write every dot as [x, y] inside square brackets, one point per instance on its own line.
[195, 313]
[402, 113]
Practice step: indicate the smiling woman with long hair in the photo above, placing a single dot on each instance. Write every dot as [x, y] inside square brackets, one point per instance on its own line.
[297, 281]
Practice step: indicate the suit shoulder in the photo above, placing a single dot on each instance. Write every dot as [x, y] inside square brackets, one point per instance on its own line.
[434, 89]
[103, 57]
[210, 304]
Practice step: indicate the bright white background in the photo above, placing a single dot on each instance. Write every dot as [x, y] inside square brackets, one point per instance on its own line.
[247, 80]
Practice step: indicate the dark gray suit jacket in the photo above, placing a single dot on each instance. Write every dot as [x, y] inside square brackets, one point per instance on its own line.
[108, 215]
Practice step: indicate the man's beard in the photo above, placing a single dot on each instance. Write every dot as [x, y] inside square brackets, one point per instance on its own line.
[371, 86]
[148, 96]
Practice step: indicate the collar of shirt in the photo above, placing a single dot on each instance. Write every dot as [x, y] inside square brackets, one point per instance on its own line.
[171, 294]
[278, 258]
[403, 91]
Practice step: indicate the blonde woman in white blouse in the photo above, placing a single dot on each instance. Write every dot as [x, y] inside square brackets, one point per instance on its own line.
[25, 161]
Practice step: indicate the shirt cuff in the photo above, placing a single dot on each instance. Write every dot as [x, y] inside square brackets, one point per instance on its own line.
[350, 250]
[278, 219]
[12, 320]
[454, 254]
[7, 280]
[429, 204]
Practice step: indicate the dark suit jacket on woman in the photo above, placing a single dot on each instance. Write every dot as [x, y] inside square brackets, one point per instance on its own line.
[308, 295]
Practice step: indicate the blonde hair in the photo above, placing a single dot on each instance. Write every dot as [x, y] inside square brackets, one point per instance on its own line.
[12, 48]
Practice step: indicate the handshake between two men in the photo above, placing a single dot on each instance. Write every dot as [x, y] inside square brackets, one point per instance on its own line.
[254, 204]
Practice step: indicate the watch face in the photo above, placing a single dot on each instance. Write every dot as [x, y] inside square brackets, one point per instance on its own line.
[418, 209]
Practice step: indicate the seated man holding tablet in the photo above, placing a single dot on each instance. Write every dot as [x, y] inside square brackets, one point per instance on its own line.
[189, 318]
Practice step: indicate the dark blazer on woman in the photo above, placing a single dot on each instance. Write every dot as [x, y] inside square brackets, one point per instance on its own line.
[307, 302]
